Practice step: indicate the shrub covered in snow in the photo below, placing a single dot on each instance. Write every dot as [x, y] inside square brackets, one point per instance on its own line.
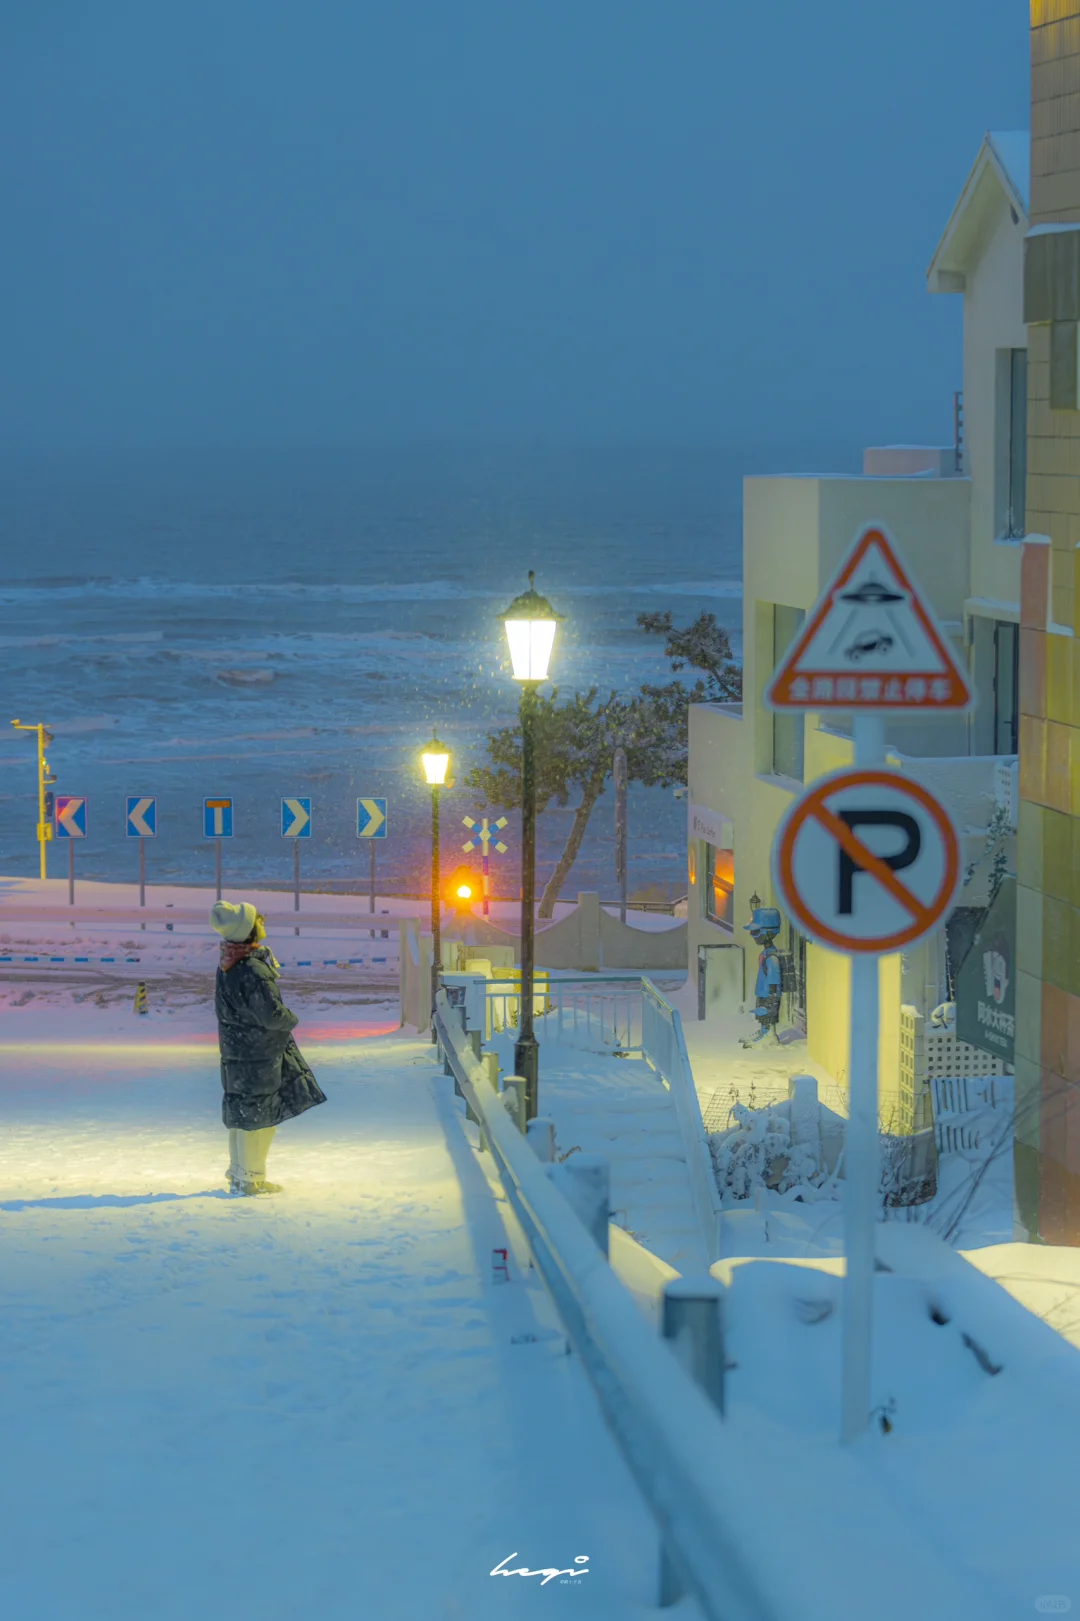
[758, 1151]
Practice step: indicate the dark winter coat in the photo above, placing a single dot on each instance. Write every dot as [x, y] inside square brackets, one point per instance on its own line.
[263, 1073]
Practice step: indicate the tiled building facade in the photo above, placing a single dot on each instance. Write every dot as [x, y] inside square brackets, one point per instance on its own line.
[1048, 914]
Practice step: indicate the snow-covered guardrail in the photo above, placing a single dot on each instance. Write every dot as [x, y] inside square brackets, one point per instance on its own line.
[627, 1013]
[760, 1525]
[664, 1047]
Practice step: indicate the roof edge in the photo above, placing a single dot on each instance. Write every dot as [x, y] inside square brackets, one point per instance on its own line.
[941, 276]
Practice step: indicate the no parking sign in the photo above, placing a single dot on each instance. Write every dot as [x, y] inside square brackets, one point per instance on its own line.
[867, 861]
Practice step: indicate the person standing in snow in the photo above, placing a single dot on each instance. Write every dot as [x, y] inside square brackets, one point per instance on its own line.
[263, 1074]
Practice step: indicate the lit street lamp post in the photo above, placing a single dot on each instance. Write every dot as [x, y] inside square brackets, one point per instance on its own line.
[530, 623]
[436, 762]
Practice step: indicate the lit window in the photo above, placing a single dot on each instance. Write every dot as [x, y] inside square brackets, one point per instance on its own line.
[719, 885]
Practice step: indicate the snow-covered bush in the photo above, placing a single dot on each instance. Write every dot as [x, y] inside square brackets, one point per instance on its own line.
[757, 1151]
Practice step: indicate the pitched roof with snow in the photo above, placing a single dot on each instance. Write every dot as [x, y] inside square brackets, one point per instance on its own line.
[1000, 172]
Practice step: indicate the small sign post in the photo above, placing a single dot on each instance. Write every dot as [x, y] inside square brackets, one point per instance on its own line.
[70, 812]
[218, 825]
[371, 824]
[486, 835]
[867, 861]
[296, 825]
[140, 822]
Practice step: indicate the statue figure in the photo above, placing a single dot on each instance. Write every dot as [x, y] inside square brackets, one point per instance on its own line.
[763, 927]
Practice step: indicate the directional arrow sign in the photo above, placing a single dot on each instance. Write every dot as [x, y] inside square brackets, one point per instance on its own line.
[70, 817]
[371, 818]
[217, 819]
[296, 818]
[871, 642]
[867, 861]
[141, 818]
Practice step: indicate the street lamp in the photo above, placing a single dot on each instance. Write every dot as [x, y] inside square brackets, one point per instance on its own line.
[530, 623]
[435, 759]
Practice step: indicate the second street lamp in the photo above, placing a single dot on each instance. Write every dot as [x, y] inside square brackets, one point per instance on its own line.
[530, 623]
[435, 760]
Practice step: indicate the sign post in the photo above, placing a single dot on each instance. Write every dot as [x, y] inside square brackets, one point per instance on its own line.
[484, 838]
[140, 822]
[867, 861]
[218, 825]
[70, 810]
[296, 825]
[619, 776]
[45, 796]
[371, 824]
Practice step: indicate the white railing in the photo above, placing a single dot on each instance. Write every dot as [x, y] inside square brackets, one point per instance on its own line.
[595, 1012]
[613, 1014]
[664, 1047]
[703, 1477]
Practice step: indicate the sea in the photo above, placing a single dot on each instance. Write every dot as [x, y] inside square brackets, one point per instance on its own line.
[262, 624]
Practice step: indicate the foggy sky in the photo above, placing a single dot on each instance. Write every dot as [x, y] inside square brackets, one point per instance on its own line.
[230, 220]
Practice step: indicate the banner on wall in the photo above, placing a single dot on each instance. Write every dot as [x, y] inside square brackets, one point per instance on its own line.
[986, 981]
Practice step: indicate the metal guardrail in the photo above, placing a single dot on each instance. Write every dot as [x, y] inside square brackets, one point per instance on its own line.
[726, 1496]
[667, 1428]
[597, 1012]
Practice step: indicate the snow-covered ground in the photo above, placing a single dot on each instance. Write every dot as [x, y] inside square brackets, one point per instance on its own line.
[618, 1107]
[316, 1404]
[982, 1404]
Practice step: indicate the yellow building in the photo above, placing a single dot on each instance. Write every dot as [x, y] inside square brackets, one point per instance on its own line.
[957, 514]
[1048, 893]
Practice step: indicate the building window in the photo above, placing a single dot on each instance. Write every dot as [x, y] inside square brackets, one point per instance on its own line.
[1006, 686]
[1011, 469]
[719, 885]
[787, 760]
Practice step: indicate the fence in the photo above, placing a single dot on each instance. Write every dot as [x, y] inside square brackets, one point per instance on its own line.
[703, 1478]
[629, 1017]
[969, 1110]
[600, 1013]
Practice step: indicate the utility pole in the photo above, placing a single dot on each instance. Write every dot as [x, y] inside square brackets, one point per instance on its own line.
[618, 771]
[45, 781]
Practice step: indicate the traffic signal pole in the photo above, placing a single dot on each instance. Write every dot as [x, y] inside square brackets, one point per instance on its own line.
[45, 779]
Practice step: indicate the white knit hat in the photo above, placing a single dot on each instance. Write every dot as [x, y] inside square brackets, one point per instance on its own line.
[233, 922]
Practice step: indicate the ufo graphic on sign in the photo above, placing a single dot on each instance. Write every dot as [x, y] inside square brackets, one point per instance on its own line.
[871, 642]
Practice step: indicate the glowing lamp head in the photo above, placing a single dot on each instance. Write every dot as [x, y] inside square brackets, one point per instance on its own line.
[464, 892]
[435, 760]
[530, 623]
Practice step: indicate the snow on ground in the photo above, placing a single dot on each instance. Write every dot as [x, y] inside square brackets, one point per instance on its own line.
[315, 1404]
[982, 1399]
[619, 1108]
[1043, 1277]
[330, 969]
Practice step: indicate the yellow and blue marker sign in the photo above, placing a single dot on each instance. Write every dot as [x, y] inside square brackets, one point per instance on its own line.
[141, 818]
[371, 820]
[296, 818]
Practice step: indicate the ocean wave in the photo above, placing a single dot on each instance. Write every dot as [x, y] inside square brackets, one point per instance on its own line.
[151, 589]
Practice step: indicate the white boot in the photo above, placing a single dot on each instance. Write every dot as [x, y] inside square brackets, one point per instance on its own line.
[247, 1165]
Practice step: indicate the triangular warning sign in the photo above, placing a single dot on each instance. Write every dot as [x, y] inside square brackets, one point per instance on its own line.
[871, 642]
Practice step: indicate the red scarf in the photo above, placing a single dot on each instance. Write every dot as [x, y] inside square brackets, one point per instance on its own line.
[234, 951]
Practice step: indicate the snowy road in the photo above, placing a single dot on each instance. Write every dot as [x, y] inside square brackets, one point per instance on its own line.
[309, 1406]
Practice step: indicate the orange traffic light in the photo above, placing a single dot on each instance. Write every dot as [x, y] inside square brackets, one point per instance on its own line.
[462, 888]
